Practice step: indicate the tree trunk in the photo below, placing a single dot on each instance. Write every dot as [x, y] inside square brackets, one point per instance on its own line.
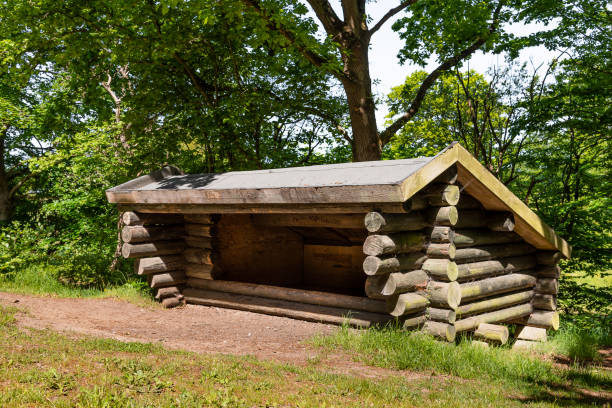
[358, 88]
[5, 202]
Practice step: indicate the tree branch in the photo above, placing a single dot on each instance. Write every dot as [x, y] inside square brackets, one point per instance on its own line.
[314, 58]
[390, 14]
[328, 17]
[391, 130]
[204, 88]
[17, 186]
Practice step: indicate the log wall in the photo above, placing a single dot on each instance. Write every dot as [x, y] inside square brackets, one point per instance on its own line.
[445, 265]
[157, 243]
[450, 266]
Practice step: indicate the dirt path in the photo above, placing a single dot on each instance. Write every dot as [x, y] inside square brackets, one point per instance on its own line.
[194, 328]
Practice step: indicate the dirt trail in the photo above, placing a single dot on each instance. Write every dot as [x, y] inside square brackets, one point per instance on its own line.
[194, 328]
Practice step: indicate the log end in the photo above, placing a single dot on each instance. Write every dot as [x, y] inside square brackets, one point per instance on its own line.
[406, 303]
[501, 221]
[451, 194]
[126, 250]
[454, 295]
[532, 334]
[374, 221]
[129, 218]
[453, 215]
[452, 271]
[555, 321]
[377, 286]
[371, 265]
[440, 330]
[378, 245]
[171, 302]
[452, 251]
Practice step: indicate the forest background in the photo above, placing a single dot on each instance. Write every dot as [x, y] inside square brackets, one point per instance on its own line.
[94, 93]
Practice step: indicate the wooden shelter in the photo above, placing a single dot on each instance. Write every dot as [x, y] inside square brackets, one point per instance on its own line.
[436, 242]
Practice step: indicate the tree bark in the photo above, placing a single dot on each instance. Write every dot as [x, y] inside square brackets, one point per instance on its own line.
[355, 44]
[5, 202]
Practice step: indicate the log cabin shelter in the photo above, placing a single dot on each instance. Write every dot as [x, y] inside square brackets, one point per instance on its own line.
[435, 243]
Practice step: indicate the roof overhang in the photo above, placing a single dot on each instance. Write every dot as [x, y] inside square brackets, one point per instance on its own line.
[490, 192]
[344, 195]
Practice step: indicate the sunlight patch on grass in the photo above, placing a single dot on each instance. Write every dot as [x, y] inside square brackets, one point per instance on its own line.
[397, 349]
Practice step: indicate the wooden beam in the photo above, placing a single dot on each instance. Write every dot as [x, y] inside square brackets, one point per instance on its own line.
[406, 303]
[133, 218]
[378, 223]
[376, 245]
[540, 318]
[136, 234]
[495, 267]
[476, 237]
[157, 248]
[294, 295]
[374, 265]
[172, 278]
[275, 307]
[495, 302]
[499, 284]
[440, 330]
[350, 221]
[383, 286]
[492, 333]
[497, 316]
[485, 253]
[312, 208]
[158, 264]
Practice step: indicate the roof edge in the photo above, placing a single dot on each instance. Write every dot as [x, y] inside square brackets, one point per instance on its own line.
[510, 200]
[457, 154]
[157, 175]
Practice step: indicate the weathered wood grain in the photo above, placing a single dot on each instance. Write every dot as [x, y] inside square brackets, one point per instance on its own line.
[495, 302]
[294, 295]
[137, 234]
[494, 333]
[276, 307]
[157, 264]
[134, 218]
[493, 286]
[496, 316]
[149, 249]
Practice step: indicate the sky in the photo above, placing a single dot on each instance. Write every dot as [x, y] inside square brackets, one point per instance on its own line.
[386, 69]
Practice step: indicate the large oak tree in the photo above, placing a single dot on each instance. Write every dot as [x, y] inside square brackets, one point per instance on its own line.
[447, 31]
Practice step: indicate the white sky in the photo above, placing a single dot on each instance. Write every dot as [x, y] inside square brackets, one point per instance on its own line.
[385, 44]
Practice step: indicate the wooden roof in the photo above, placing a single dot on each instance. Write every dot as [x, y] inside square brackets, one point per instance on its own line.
[348, 187]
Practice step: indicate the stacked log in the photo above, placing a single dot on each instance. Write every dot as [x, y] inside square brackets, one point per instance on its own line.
[410, 259]
[449, 265]
[156, 242]
[199, 254]
[544, 301]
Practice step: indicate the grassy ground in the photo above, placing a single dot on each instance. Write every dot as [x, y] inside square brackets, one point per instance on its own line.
[42, 368]
[42, 281]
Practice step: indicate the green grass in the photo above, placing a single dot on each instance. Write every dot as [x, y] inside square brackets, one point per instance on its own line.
[577, 344]
[40, 280]
[43, 368]
[599, 281]
[397, 349]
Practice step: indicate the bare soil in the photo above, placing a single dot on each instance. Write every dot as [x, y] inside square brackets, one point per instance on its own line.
[195, 328]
